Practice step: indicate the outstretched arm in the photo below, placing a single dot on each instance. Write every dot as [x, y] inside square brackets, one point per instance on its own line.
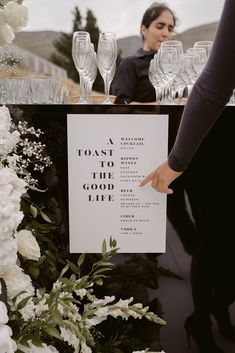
[208, 98]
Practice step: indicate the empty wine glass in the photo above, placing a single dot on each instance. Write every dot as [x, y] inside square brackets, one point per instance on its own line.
[106, 60]
[156, 77]
[206, 44]
[177, 44]
[90, 71]
[169, 64]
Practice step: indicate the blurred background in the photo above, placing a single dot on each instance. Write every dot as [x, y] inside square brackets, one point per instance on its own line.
[44, 48]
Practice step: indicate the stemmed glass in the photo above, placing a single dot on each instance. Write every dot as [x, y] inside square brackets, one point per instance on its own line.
[106, 60]
[168, 62]
[91, 72]
[156, 77]
[177, 44]
[81, 50]
[170, 57]
[206, 44]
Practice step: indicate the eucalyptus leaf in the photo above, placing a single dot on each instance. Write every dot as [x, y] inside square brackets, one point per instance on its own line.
[36, 340]
[73, 267]
[81, 259]
[57, 317]
[22, 303]
[34, 271]
[42, 291]
[24, 342]
[33, 211]
[52, 331]
[99, 281]
[45, 217]
[65, 269]
[101, 270]
[32, 187]
[104, 248]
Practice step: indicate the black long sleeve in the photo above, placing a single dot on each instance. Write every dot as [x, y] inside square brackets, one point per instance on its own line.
[210, 93]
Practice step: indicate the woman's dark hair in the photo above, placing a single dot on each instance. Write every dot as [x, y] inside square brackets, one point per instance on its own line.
[153, 12]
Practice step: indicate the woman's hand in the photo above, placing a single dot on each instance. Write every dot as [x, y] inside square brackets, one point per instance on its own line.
[161, 178]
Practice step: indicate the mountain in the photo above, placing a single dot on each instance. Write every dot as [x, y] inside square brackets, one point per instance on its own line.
[192, 35]
[41, 42]
[37, 42]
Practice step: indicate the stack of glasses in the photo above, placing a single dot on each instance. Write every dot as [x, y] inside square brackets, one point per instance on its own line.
[173, 72]
[32, 90]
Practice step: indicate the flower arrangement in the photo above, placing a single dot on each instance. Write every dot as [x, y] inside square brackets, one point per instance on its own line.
[35, 319]
[13, 16]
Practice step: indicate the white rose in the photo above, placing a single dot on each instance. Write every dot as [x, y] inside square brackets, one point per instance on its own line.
[6, 33]
[27, 245]
[7, 345]
[3, 313]
[5, 117]
[8, 254]
[16, 15]
[17, 281]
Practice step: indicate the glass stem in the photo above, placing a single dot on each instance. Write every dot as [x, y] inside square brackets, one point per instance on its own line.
[82, 99]
[106, 88]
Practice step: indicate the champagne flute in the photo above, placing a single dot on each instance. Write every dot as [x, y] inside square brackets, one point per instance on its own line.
[81, 49]
[106, 60]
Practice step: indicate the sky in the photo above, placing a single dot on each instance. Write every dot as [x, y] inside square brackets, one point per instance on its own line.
[120, 16]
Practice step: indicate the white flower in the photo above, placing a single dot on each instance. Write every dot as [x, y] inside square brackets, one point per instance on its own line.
[8, 141]
[17, 281]
[81, 292]
[28, 311]
[102, 302]
[118, 312]
[27, 245]
[33, 349]
[85, 348]
[123, 304]
[100, 312]
[41, 306]
[70, 337]
[16, 15]
[12, 161]
[11, 189]
[3, 313]
[8, 254]
[7, 345]
[94, 321]
[6, 33]
[5, 117]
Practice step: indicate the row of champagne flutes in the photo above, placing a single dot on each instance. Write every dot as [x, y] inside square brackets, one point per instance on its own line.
[86, 61]
[173, 72]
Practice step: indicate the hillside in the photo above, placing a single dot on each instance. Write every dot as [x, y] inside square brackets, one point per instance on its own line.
[41, 42]
[37, 42]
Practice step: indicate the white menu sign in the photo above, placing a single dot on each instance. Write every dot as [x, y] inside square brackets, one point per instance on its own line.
[108, 156]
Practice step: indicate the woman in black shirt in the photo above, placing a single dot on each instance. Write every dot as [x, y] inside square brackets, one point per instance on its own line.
[131, 84]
